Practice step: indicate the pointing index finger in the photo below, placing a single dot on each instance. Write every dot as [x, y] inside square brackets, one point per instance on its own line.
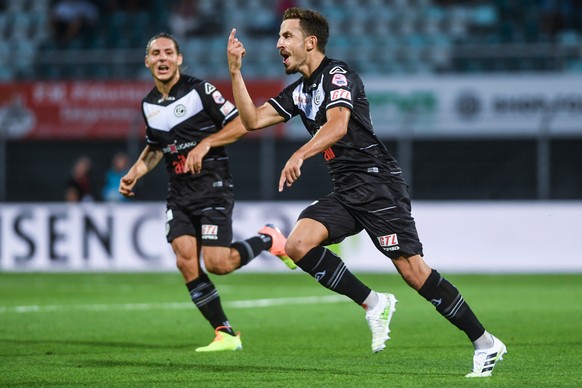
[282, 181]
[232, 34]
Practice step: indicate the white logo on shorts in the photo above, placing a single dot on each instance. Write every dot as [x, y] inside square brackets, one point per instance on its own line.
[209, 232]
[389, 242]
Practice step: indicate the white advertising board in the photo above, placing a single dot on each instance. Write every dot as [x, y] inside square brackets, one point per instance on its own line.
[472, 106]
[468, 237]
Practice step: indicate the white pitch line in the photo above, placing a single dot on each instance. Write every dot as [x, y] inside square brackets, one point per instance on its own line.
[241, 304]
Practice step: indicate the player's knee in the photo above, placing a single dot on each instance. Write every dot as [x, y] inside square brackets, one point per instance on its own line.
[296, 248]
[183, 263]
[217, 265]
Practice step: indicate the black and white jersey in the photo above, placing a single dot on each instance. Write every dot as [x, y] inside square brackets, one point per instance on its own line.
[193, 110]
[359, 156]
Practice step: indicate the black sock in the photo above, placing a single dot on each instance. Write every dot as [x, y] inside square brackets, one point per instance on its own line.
[250, 248]
[331, 272]
[450, 304]
[205, 297]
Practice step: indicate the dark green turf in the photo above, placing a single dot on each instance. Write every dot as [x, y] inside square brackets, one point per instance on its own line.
[84, 334]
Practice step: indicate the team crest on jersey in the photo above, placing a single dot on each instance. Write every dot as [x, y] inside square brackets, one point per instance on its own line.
[209, 232]
[317, 97]
[339, 80]
[337, 70]
[218, 97]
[209, 88]
[180, 110]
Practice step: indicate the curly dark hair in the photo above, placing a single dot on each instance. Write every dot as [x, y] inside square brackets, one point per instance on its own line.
[312, 23]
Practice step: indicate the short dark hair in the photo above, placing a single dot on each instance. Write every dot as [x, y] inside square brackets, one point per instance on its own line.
[166, 35]
[312, 23]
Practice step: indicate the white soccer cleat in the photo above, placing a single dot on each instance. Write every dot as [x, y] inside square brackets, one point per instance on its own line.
[484, 360]
[379, 320]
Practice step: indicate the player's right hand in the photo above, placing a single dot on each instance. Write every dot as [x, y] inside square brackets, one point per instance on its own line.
[195, 156]
[235, 51]
[126, 185]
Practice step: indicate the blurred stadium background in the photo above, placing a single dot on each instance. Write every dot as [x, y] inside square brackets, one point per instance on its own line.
[390, 40]
[479, 101]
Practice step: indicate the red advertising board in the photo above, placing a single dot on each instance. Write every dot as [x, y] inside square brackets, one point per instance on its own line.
[87, 109]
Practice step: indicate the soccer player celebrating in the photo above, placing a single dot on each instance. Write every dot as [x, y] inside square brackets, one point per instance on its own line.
[369, 191]
[179, 112]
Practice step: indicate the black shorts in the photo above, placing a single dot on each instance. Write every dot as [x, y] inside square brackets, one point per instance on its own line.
[202, 207]
[383, 210]
[211, 226]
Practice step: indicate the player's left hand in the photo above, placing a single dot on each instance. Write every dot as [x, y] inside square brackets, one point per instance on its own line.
[194, 159]
[291, 172]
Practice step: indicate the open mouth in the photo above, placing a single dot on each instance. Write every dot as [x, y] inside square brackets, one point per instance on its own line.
[285, 57]
[163, 69]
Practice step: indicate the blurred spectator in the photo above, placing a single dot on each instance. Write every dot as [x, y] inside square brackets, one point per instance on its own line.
[119, 167]
[557, 15]
[183, 19]
[79, 185]
[70, 18]
[266, 21]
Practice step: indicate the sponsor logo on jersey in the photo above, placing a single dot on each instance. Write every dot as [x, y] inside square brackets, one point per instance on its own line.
[180, 110]
[209, 232]
[153, 114]
[218, 97]
[175, 148]
[209, 88]
[227, 108]
[328, 154]
[299, 99]
[337, 70]
[342, 94]
[339, 80]
[389, 242]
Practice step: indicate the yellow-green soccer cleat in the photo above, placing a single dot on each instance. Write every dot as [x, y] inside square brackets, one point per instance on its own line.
[485, 360]
[222, 342]
[278, 244]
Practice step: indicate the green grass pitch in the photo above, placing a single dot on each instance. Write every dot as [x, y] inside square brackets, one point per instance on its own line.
[140, 329]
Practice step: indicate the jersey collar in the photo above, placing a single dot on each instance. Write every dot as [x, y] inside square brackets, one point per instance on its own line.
[311, 83]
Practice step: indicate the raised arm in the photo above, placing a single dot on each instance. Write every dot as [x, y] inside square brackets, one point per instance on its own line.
[148, 159]
[252, 117]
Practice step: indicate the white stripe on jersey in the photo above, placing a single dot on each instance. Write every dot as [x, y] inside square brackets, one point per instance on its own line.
[309, 102]
[164, 118]
[280, 107]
